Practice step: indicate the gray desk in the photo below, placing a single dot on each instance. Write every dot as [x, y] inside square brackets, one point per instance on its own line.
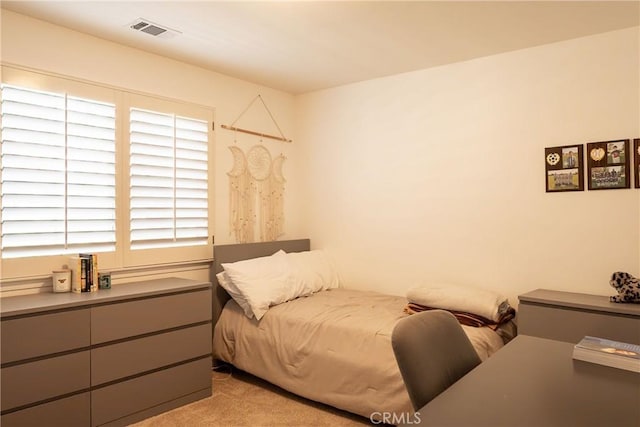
[535, 382]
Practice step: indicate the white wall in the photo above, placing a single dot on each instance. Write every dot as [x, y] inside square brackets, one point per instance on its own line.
[438, 175]
[38, 45]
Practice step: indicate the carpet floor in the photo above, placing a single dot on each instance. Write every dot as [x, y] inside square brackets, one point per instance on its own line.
[240, 399]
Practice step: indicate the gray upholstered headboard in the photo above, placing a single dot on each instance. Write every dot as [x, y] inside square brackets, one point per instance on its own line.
[241, 251]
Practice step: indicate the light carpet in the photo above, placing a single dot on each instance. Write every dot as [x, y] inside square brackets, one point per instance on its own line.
[240, 399]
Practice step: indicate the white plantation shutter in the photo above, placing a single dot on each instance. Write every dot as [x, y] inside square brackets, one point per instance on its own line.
[58, 174]
[91, 174]
[168, 180]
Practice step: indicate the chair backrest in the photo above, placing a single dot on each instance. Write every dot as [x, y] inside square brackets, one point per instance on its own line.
[433, 352]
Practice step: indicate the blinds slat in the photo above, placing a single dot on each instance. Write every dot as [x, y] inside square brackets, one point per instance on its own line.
[32, 240]
[151, 171]
[151, 192]
[146, 203]
[100, 147]
[26, 149]
[151, 213]
[146, 181]
[31, 213]
[91, 237]
[23, 227]
[38, 139]
[90, 167]
[87, 214]
[31, 96]
[98, 177]
[10, 161]
[27, 188]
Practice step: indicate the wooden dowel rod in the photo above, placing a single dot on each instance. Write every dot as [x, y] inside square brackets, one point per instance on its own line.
[264, 135]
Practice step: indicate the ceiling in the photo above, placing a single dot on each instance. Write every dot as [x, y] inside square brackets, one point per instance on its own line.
[303, 46]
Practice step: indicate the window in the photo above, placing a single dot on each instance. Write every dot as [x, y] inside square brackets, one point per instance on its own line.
[169, 201]
[90, 168]
[168, 180]
[58, 174]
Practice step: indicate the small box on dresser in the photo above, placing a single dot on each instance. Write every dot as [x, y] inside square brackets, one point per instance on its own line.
[108, 358]
[570, 316]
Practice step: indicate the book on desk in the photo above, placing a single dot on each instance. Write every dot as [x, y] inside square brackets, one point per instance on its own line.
[609, 353]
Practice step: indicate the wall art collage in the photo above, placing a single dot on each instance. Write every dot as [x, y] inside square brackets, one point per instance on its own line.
[609, 166]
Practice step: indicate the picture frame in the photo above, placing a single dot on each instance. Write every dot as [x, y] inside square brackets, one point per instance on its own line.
[636, 162]
[608, 165]
[564, 168]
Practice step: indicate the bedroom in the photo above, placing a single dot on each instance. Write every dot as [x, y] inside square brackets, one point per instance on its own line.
[430, 175]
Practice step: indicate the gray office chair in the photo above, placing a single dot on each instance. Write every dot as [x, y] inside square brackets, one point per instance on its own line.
[432, 352]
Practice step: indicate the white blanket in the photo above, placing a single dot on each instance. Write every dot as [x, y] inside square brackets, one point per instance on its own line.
[487, 304]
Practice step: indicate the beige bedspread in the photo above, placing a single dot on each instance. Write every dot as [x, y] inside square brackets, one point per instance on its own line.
[332, 347]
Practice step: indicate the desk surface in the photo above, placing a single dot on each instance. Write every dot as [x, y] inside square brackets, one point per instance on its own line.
[535, 382]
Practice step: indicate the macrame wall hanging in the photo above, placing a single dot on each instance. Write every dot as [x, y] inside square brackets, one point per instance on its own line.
[256, 195]
[256, 189]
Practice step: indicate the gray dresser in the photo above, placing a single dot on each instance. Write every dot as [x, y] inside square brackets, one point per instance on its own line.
[110, 358]
[568, 316]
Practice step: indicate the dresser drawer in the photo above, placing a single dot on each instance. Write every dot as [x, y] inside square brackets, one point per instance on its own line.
[127, 358]
[68, 412]
[570, 325]
[44, 379]
[139, 394]
[47, 334]
[128, 319]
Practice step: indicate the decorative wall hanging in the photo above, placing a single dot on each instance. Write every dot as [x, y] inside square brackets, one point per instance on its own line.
[564, 168]
[636, 156]
[256, 195]
[251, 132]
[608, 164]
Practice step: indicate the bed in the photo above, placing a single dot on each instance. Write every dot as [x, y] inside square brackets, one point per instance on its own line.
[332, 346]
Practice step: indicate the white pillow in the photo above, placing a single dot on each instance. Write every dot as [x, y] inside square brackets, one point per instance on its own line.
[225, 281]
[311, 272]
[262, 282]
[259, 283]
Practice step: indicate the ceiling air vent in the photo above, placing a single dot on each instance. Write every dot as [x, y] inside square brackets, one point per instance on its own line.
[146, 26]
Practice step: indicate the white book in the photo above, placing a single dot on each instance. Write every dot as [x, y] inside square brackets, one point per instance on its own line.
[609, 353]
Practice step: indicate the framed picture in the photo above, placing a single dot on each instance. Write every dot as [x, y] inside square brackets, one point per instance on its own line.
[564, 170]
[636, 162]
[608, 164]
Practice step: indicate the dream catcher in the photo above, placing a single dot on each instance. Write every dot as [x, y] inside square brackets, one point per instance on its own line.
[256, 195]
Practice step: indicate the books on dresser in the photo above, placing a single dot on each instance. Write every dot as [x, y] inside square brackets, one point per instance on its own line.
[84, 273]
[609, 353]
